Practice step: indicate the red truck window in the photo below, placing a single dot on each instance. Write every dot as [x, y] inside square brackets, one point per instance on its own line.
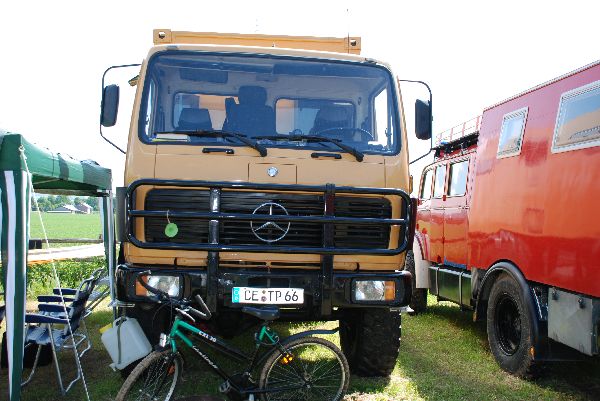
[426, 185]
[578, 120]
[440, 180]
[511, 135]
[457, 182]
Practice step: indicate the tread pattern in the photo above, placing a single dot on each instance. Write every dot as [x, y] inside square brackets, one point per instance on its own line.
[370, 340]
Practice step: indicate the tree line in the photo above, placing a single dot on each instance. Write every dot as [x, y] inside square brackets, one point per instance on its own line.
[51, 202]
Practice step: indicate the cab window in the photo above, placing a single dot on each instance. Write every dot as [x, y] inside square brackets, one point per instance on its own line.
[457, 181]
[440, 180]
[426, 185]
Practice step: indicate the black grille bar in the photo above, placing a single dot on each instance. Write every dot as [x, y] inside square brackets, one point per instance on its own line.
[327, 248]
[255, 217]
[327, 260]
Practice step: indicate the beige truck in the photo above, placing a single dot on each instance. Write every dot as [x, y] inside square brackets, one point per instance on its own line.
[269, 170]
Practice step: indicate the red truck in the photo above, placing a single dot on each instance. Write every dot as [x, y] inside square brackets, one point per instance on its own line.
[508, 222]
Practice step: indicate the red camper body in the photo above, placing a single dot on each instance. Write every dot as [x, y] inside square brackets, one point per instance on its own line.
[509, 220]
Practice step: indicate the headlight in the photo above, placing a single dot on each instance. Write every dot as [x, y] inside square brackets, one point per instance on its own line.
[168, 284]
[374, 290]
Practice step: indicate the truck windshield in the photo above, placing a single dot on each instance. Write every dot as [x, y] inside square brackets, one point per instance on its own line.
[274, 101]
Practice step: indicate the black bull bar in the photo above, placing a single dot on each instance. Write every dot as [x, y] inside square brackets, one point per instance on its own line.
[215, 217]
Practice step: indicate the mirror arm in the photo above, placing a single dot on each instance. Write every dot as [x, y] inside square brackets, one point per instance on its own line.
[431, 108]
[100, 123]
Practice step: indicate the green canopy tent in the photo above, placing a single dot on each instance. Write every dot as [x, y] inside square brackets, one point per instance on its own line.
[25, 167]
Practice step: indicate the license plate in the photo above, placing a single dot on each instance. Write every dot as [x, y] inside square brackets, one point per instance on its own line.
[275, 296]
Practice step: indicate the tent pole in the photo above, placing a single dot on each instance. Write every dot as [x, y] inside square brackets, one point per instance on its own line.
[108, 225]
[16, 206]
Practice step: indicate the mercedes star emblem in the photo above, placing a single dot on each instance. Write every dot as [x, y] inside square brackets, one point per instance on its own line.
[272, 171]
[270, 231]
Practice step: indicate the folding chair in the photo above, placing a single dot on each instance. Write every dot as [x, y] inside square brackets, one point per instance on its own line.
[41, 329]
[71, 297]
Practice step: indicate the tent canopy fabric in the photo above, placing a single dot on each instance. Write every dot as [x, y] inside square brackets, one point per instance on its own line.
[24, 165]
[52, 171]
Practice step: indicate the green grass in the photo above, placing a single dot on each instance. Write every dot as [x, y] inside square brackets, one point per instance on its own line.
[59, 225]
[444, 356]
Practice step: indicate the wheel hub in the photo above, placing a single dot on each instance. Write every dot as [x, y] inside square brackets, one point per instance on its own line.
[508, 325]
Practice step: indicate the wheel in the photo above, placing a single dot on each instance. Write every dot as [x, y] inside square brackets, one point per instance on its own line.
[318, 370]
[509, 327]
[370, 340]
[153, 379]
[418, 300]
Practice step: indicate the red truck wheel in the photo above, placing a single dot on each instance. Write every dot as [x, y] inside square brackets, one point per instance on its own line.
[509, 327]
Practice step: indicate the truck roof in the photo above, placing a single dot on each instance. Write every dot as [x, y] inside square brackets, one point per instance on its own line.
[349, 44]
[544, 84]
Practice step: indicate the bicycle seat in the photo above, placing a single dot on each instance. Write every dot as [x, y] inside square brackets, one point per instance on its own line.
[264, 313]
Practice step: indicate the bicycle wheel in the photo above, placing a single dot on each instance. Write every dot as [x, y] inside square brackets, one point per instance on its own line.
[314, 369]
[153, 379]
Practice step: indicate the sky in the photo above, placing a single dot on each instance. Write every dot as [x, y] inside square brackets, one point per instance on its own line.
[472, 54]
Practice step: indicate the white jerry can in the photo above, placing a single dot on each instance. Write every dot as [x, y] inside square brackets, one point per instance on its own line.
[126, 342]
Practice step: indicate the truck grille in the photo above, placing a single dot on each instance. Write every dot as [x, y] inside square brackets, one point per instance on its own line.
[193, 231]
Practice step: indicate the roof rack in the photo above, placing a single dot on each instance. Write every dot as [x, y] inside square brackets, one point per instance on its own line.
[349, 44]
[458, 131]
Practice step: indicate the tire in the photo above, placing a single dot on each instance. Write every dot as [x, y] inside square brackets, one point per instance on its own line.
[370, 339]
[314, 359]
[158, 371]
[418, 300]
[509, 327]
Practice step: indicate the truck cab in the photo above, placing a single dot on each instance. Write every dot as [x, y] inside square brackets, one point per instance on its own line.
[269, 170]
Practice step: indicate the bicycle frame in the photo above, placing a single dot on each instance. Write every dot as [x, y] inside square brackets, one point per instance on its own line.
[265, 337]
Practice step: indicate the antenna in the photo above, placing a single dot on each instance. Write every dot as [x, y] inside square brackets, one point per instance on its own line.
[348, 27]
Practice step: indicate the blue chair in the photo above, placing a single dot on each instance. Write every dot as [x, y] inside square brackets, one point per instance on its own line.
[41, 328]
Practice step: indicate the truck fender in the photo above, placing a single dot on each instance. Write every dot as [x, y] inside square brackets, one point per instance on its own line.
[421, 265]
[486, 286]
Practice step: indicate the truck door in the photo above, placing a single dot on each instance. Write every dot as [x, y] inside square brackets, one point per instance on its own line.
[455, 214]
[436, 233]
[424, 211]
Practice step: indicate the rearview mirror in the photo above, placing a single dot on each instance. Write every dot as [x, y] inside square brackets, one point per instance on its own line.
[110, 105]
[423, 120]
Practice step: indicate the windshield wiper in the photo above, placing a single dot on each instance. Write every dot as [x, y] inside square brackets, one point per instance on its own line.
[315, 138]
[210, 133]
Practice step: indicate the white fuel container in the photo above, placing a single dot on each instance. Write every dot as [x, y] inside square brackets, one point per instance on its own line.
[125, 342]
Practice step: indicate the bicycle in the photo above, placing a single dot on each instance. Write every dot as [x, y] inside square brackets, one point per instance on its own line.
[300, 367]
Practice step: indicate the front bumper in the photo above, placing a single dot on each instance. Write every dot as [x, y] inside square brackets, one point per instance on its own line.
[318, 305]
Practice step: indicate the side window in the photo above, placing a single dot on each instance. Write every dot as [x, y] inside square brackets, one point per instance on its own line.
[440, 180]
[382, 119]
[149, 109]
[426, 185]
[511, 134]
[457, 182]
[578, 119]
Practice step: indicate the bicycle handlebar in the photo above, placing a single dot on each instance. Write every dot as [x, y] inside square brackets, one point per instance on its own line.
[204, 314]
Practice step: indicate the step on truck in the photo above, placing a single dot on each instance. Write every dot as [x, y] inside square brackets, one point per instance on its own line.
[269, 170]
[508, 223]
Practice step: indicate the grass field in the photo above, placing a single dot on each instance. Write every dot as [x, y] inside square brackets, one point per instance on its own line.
[444, 356]
[59, 225]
